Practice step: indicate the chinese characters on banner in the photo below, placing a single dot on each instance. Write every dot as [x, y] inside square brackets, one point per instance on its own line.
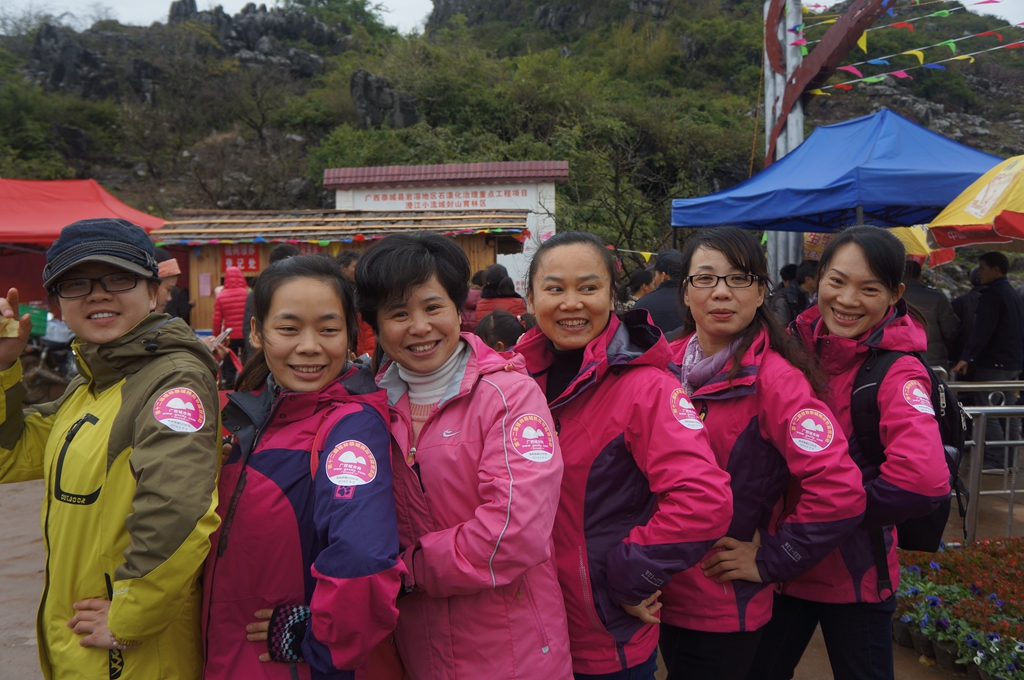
[245, 256]
[483, 197]
[814, 244]
[309, 248]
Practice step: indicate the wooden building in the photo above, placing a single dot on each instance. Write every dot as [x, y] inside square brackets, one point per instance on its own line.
[219, 239]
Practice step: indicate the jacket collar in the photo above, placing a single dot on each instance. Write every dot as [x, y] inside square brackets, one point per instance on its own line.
[896, 331]
[628, 340]
[157, 334]
[743, 383]
[477, 362]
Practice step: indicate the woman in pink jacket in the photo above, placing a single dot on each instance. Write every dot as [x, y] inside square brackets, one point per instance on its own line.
[642, 496]
[229, 312]
[477, 471]
[751, 384]
[860, 285]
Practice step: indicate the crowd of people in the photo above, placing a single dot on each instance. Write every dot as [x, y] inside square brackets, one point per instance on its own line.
[549, 486]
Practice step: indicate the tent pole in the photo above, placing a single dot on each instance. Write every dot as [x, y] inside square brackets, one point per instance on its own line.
[860, 215]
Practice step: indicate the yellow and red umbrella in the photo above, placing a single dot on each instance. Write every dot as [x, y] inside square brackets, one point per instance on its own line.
[989, 211]
[915, 241]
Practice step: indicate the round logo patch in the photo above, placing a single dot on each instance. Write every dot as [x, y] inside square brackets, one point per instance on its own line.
[918, 396]
[683, 410]
[531, 438]
[811, 430]
[351, 463]
[180, 409]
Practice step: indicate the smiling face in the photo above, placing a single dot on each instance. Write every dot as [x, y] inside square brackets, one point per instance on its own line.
[720, 313]
[571, 295]
[304, 339]
[103, 317]
[421, 332]
[851, 298]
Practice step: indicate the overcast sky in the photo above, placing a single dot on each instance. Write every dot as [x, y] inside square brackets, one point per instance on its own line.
[406, 14]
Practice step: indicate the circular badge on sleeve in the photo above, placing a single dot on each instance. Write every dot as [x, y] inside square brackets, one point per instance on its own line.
[351, 463]
[531, 438]
[684, 411]
[811, 430]
[918, 396]
[180, 409]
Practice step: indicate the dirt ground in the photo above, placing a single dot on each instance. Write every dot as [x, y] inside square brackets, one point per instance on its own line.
[22, 561]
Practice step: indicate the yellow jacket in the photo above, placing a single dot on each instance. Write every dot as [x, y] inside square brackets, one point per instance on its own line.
[130, 457]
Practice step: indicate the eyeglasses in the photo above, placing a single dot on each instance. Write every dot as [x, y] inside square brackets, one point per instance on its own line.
[112, 283]
[731, 280]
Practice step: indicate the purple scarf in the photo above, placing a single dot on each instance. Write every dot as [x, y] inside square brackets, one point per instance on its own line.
[697, 369]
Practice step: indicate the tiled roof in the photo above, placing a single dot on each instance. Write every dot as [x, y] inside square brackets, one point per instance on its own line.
[520, 172]
[233, 226]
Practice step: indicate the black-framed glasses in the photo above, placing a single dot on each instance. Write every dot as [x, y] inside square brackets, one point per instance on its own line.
[731, 280]
[117, 282]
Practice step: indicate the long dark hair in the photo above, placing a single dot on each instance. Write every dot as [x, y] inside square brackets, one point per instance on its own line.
[638, 279]
[497, 283]
[743, 252]
[886, 256]
[255, 372]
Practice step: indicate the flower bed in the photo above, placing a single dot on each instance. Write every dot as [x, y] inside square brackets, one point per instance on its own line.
[969, 602]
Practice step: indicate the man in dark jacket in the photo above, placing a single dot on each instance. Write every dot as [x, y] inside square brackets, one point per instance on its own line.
[943, 323]
[663, 303]
[791, 301]
[995, 349]
[965, 306]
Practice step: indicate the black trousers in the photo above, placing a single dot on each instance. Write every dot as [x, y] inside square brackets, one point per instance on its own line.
[858, 637]
[699, 655]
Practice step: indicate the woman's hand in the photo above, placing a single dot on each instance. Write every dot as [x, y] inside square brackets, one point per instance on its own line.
[257, 632]
[11, 348]
[738, 560]
[91, 621]
[646, 609]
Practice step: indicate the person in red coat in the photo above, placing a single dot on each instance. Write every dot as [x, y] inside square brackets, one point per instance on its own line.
[499, 293]
[229, 312]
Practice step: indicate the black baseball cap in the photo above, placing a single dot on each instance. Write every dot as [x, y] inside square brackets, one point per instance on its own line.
[113, 241]
[669, 261]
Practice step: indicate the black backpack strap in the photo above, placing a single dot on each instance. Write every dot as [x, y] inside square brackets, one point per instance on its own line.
[867, 419]
[864, 411]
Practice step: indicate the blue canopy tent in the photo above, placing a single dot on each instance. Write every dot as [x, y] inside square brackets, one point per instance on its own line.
[880, 169]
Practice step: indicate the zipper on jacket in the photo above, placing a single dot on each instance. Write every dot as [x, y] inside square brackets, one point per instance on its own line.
[524, 592]
[115, 657]
[587, 601]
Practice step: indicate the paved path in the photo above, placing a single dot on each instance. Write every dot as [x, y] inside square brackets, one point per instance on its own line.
[21, 581]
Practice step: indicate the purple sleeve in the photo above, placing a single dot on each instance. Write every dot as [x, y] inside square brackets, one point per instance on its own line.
[796, 548]
[642, 569]
[888, 504]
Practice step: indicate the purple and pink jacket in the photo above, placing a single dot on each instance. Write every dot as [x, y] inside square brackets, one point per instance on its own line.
[642, 496]
[476, 496]
[914, 478]
[291, 535]
[754, 422]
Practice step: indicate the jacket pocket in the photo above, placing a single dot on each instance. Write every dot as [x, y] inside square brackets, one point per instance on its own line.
[526, 594]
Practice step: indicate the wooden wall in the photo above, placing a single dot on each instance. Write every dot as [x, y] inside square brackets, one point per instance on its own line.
[481, 255]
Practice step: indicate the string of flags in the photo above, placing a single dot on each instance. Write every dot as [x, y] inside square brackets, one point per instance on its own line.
[919, 52]
[802, 43]
[902, 73]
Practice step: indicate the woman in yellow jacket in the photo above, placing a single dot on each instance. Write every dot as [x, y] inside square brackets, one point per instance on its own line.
[129, 454]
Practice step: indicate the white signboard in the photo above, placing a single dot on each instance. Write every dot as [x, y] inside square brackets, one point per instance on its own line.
[523, 197]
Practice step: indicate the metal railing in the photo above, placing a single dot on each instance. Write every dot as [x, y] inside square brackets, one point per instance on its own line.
[976, 462]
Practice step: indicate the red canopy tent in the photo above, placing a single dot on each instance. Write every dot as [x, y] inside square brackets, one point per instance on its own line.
[32, 213]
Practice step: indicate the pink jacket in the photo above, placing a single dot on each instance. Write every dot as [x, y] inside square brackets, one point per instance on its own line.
[914, 478]
[642, 496]
[476, 501]
[229, 307]
[294, 534]
[755, 422]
